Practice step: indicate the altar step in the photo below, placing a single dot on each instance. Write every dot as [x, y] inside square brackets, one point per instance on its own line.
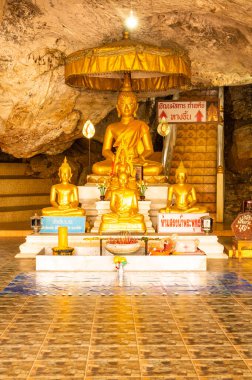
[19, 213]
[24, 186]
[13, 169]
[21, 195]
[18, 201]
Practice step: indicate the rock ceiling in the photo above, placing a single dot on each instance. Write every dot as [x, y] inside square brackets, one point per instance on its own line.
[40, 114]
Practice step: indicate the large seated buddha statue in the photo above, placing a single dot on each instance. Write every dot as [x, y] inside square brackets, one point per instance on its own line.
[132, 132]
[124, 214]
[64, 196]
[183, 194]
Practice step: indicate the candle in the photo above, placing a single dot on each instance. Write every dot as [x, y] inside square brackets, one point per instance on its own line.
[62, 237]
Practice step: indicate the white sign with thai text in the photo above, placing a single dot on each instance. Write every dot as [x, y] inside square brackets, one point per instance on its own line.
[182, 111]
[180, 223]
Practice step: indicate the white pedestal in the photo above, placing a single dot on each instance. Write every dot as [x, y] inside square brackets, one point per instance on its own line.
[157, 194]
[208, 244]
[134, 263]
[104, 208]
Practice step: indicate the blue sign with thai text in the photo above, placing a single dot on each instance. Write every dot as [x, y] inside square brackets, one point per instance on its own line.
[75, 224]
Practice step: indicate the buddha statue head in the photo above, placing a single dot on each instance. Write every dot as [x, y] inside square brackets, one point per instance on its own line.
[126, 102]
[65, 172]
[181, 174]
[123, 180]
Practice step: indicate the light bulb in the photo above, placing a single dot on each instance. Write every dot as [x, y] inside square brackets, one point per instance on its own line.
[88, 129]
[131, 22]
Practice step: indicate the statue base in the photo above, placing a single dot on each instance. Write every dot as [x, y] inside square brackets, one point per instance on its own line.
[63, 251]
[149, 179]
[75, 224]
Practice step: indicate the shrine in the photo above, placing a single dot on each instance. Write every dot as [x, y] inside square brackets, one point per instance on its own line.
[125, 190]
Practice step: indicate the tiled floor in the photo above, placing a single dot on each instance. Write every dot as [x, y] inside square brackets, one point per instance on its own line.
[167, 326]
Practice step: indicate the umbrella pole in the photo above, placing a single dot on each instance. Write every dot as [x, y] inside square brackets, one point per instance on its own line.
[89, 157]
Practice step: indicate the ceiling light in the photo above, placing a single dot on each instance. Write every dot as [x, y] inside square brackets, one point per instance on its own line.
[132, 21]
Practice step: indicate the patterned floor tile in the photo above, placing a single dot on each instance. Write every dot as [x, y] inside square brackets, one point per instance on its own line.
[154, 367]
[61, 369]
[156, 328]
[205, 339]
[14, 369]
[213, 352]
[122, 328]
[19, 352]
[153, 326]
[63, 352]
[210, 328]
[241, 338]
[20, 338]
[160, 339]
[129, 352]
[245, 351]
[109, 367]
[223, 367]
[113, 338]
[163, 352]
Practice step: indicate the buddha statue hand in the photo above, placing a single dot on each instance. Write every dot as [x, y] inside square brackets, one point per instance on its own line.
[165, 210]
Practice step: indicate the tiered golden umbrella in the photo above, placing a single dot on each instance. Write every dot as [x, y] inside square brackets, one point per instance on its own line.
[152, 69]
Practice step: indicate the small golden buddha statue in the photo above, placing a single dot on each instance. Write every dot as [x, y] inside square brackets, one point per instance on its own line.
[122, 165]
[64, 196]
[184, 194]
[124, 214]
[130, 131]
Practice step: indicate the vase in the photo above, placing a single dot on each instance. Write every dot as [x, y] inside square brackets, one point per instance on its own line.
[142, 197]
[102, 197]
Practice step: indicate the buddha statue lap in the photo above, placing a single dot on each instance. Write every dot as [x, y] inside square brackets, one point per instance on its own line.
[124, 214]
[130, 131]
[184, 194]
[64, 196]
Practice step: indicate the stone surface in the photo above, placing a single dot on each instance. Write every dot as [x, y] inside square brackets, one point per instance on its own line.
[40, 114]
[238, 149]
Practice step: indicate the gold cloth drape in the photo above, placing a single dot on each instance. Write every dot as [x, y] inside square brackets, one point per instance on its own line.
[152, 68]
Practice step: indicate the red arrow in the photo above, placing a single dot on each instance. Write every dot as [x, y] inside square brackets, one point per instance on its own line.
[163, 114]
[199, 115]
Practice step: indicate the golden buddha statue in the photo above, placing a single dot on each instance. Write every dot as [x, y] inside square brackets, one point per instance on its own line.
[64, 196]
[130, 131]
[184, 194]
[122, 164]
[124, 210]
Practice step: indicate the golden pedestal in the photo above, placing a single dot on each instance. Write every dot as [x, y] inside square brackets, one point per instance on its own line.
[242, 249]
[122, 227]
[148, 179]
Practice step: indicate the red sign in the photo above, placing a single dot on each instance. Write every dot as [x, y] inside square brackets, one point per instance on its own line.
[242, 226]
[187, 223]
[182, 111]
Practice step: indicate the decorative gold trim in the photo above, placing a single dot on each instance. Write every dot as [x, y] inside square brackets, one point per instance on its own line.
[220, 169]
[154, 68]
[92, 178]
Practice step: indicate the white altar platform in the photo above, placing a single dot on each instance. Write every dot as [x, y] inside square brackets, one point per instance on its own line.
[89, 244]
[45, 261]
